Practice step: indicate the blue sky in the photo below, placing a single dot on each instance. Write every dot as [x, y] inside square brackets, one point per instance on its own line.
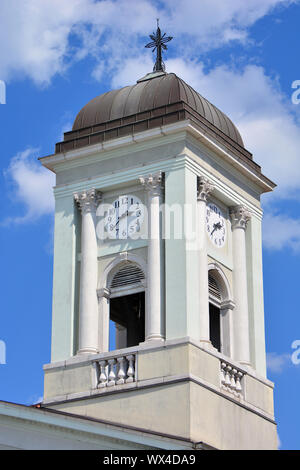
[58, 54]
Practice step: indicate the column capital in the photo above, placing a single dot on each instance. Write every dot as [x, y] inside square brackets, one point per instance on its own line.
[152, 183]
[104, 292]
[240, 216]
[87, 201]
[204, 188]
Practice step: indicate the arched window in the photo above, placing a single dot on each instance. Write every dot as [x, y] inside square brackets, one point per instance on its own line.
[128, 276]
[127, 306]
[214, 312]
[220, 310]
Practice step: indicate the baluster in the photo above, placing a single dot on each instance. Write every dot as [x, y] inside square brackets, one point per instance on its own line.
[223, 365]
[239, 376]
[227, 376]
[103, 374]
[121, 371]
[112, 375]
[130, 371]
[232, 381]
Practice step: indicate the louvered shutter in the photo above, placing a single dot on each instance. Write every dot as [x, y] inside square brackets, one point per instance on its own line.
[213, 288]
[127, 276]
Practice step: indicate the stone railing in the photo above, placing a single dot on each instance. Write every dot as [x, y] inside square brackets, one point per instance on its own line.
[116, 371]
[231, 379]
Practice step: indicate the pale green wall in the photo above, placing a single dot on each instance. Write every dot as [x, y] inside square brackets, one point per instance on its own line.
[255, 295]
[182, 280]
[64, 279]
[182, 304]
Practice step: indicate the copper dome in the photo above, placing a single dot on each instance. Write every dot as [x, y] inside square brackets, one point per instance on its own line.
[156, 91]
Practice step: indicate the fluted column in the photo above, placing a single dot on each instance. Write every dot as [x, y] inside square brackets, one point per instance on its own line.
[204, 189]
[239, 218]
[154, 320]
[88, 310]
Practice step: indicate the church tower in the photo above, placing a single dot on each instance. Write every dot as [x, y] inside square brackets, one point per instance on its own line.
[158, 315]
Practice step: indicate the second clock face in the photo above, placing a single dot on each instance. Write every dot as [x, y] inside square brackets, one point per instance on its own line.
[125, 217]
[216, 225]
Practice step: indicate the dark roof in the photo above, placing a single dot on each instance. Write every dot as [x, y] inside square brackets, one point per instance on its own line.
[155, 92]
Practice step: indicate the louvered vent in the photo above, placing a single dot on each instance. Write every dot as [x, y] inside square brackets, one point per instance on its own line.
[213, 288]
[127, 276]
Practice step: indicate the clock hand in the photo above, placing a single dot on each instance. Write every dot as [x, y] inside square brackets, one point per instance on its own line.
[126, 213]
[217, 226]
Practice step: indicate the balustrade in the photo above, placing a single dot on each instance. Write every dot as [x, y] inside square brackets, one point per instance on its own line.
[231, 379]
[116, 371]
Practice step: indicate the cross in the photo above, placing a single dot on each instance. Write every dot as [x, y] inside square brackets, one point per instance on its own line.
[158, 43]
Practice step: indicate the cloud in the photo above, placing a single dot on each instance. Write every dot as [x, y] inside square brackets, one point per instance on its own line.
[31, 185]
[276, 363]
[212, 23]
[280, 231]
[44, 38]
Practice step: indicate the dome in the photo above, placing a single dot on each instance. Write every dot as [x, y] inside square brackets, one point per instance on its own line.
[153, 91]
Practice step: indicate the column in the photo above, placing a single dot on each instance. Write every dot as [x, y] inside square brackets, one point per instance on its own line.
[103, 319]
[88, 315]
[154, 320]
[121, 336]
[204, 189]
[239, 218]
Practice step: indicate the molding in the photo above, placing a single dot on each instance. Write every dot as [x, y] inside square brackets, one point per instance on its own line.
[116, 263]
[104, 292]
[115, 147]
[227, 298]
[53, 162]
[158, 382]
[153, 345]
[132, 175]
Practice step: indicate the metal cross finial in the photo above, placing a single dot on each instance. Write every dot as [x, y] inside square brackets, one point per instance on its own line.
[159, 43]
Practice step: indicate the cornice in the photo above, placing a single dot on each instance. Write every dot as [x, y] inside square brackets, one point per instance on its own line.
[143, 140]
[132, 176]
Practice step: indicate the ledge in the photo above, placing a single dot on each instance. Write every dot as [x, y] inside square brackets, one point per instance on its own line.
[155, 346]
[156, 382]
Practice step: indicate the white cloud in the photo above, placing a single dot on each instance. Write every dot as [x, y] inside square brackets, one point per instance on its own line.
[38, 34]
[280, 231]
[215, 22]
[276, 363]
[31, 186]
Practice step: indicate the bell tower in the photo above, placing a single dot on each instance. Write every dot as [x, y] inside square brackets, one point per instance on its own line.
[158, 316]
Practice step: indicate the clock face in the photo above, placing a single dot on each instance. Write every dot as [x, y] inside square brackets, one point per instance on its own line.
[125, 217]
[216, 225]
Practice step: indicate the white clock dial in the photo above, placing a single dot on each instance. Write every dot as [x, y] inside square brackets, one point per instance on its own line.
[125, 217]
[216, 225]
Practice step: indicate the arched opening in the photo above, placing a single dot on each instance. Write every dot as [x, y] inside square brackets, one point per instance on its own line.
[220, 310]
[214, 312]
[127, 307]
